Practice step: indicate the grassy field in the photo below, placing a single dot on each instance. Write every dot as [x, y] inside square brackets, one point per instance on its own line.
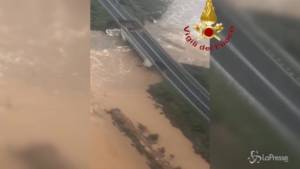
[141, 9]
[99, 17]
[145, 9]
[282, 29]
[238, 128]
[237, 125]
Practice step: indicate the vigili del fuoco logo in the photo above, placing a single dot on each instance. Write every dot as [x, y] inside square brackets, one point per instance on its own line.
[208, 28]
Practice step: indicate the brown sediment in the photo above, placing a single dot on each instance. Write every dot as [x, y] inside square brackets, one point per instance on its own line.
[119, 80]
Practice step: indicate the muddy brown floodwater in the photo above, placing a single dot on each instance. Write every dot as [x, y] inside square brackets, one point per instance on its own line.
[45, 117]
[119, 80]
[44, 89]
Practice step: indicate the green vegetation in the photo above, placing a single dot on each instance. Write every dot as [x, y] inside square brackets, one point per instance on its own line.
[99, 17]
[283, 29]
[238, 127]
[145, 9]
[141, 9]
[182, 115]
[201, 74]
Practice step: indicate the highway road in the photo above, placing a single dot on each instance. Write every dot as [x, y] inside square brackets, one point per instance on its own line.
[182, 80]
[252, 66]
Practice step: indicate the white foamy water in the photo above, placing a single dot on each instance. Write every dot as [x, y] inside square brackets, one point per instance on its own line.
[168, 31]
